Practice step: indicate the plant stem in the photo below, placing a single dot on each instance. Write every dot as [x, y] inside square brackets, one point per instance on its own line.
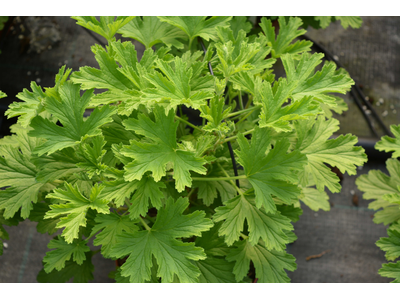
[242, 111]
[191, 192]
[232, 182]
[144, 224]
[218, 178]
[189, 124]
[240, 100]
[245, 237]
[235, 136]
[244, 118]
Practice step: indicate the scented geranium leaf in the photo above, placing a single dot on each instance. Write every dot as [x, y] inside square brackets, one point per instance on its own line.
[106, 27]
[31, 105]
[173, 256]
[269, 227]
[164, 150]
[173, 86]
[352, 21]
[146, 190]
[82, 273]
[387, 215]
[391, 270]
[2, 95]
[149, 30]
[115, 132]
[70, 113]
[198, 26]
[288, 31]
[339, 152]
[315, 199]
[55, 259]
[76, 208]
[93, 156]
[215, 270]
[318, 85]
[119, 190]
[111, 225]
[391, 244]
[270, 265]
[273, 173]
[291, 212]
[208, 190]
[389, 144]
[215, 114]
[238, 23]
[376, 184]
[271, 100]
[18, 175]
[108, 77]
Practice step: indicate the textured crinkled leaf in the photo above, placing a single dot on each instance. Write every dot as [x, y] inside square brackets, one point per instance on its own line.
[76, 208]
[173, 85]
[215, 270]
[55, 259]
[389, 144]
[376, 184]
[288, 31]
[339, 152]
[315, 199]
[215, 114]
[391, 244]
[391, 270]
[106, 27]
[82, 273]
[387, 215]
[198, 26]
[149, 30]
[173, 256]
[272, 173]
[111, 225]
[93, 157]
[267, 226]
[270, 265]
[318, 85]
[352, 21]
[164, 150]
[70, 113]
[238, 23]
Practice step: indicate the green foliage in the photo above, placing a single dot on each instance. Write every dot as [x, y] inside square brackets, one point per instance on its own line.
[159, 191]
[385, 191]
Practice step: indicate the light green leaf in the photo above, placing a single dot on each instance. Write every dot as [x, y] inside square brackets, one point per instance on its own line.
[149, 30]
[106, 27]
[111, 225]
[173, 256]
[55, 259]
[288, 31]
[93, 156]
[164, 150]
[272, 173]
[70, 114]
[215, 270]
[315, 199]
[391, 244]
[270, 265]
[215, 114]
[269, 227]
[198, 26]
[212, 243]
[76, 208]
[354, 22]
[391, 270]
[389, 144]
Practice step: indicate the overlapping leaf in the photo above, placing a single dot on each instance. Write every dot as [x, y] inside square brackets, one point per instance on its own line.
[173, 256]
[267, 226]
[391, 270]
[389, 144]
[270, 265]
[106, 27]
[164, 150]
[70, 114]
[270, 174]
[391, 244]
[339, 152]
[75, 208]
[149, 30]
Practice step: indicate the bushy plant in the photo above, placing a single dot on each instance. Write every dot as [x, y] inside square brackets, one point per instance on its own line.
[385, 191]
[193, 163]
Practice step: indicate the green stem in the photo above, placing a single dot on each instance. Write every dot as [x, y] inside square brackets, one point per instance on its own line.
[245, 237]
[235, 136]
[231, 181]
[218, 178]
[242, 111]
[190, 43]
[244, 118]
[57, 181]
[240, 100]
[191, 192]
[189, 124]
[249, 101]
[144, 224]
